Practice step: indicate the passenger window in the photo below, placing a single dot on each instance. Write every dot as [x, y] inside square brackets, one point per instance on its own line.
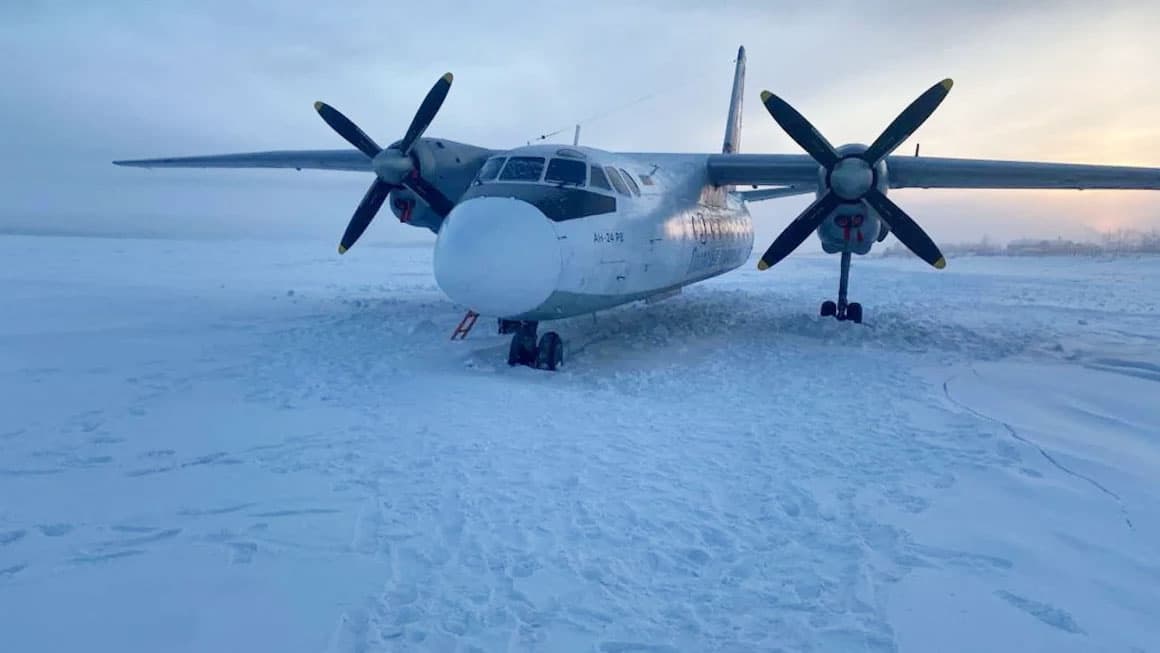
[630, 181]
[617, 182]
[490, 169]
[599, 180]
[523, 168]
[566, 172]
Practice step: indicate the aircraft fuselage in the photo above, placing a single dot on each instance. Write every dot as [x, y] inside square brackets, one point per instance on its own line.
[548, 232]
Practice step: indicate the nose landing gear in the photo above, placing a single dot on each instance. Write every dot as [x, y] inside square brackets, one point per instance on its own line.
[843, 310]
[547, 355]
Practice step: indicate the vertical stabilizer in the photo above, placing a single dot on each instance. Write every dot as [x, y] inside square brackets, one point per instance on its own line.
[733, 127]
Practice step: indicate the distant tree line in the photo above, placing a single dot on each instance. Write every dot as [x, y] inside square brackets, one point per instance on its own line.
[1119, 242]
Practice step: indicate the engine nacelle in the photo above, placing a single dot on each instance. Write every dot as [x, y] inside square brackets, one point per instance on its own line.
[853, 222]
[449, 166]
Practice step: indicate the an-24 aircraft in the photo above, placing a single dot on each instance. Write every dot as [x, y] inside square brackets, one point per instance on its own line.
[546, 232]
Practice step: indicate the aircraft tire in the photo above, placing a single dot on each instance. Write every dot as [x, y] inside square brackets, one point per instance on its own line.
[550, 353]
[829, 309]
[854, 313]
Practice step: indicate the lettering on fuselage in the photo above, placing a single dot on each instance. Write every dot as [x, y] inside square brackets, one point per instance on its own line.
[722, 243]
[706, 259]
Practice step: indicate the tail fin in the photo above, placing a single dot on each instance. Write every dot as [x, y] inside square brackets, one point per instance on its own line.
[733, 127]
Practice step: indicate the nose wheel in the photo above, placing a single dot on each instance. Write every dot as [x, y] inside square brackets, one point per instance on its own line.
[842, 310]
[547, 354]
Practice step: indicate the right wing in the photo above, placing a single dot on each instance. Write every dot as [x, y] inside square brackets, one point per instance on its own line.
[762, 194]
[297, 159]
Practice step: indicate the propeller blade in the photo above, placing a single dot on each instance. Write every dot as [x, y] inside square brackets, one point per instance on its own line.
[430, 195]
[798, 230]
[905, 229]
[800, 130]
[426, 112]
[367, 208]
[347, 129]
[908, 122]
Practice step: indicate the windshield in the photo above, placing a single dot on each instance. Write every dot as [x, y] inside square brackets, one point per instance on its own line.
[490, 169]
[523, 168]
[617, 182]
[599, 179]
[567, 172]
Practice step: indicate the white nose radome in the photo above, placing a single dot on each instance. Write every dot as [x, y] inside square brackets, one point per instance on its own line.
[498, 256]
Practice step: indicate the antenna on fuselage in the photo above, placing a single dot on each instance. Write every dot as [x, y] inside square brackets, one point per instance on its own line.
[576, 136]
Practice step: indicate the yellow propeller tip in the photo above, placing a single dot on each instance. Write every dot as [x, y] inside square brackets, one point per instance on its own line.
[940, 264]
[762, 265]
[448, 77]
[947, 83]
[318, 106]
[341, 249]
[765, 95]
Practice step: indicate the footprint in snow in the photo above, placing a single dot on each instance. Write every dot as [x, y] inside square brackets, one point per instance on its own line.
[106, 557]
[1045, 612]
[8, 537]
[8, 572]
[55, 530]
[144, 539]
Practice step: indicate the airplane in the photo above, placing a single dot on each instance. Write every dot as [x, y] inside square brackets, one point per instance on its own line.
[545, 232]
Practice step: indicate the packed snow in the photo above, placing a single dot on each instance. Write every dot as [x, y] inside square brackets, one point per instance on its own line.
[263, 446]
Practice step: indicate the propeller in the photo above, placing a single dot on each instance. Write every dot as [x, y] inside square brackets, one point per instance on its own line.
[853, 178]
[394, 167]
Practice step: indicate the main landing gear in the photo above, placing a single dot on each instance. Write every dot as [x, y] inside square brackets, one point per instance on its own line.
[547, 355]
[842, 310]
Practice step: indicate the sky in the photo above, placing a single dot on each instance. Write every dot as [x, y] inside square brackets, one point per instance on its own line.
[85, 83]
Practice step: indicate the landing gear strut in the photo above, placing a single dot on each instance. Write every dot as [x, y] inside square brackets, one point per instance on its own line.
[843, 310]
[547, 355]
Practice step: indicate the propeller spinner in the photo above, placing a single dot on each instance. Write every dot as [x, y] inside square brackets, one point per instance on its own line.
[394, 167]
[854, 178]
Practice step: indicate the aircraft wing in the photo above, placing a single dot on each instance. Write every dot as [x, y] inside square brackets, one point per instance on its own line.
[762, 170]
[762, 194]
[297, 159]
[934, 172]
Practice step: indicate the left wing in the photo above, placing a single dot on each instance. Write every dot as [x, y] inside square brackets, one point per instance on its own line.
[297, 159]
[933, 172]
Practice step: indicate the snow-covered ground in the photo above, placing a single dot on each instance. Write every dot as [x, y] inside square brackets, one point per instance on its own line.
[261, 446]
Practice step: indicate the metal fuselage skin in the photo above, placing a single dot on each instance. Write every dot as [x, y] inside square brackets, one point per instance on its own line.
[544, 251]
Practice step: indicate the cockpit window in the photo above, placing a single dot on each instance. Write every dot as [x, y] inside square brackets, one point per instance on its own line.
[566, 172]
[630, 181]
[523, 168]
[617, 182]
[490, 169]
[599, 179]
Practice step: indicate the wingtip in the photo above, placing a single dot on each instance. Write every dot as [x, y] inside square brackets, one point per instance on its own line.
[448, 77]
[940, 263]
[765, 95]
[947, 83]
[318, 106]
[341, 249]
[762, 265]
